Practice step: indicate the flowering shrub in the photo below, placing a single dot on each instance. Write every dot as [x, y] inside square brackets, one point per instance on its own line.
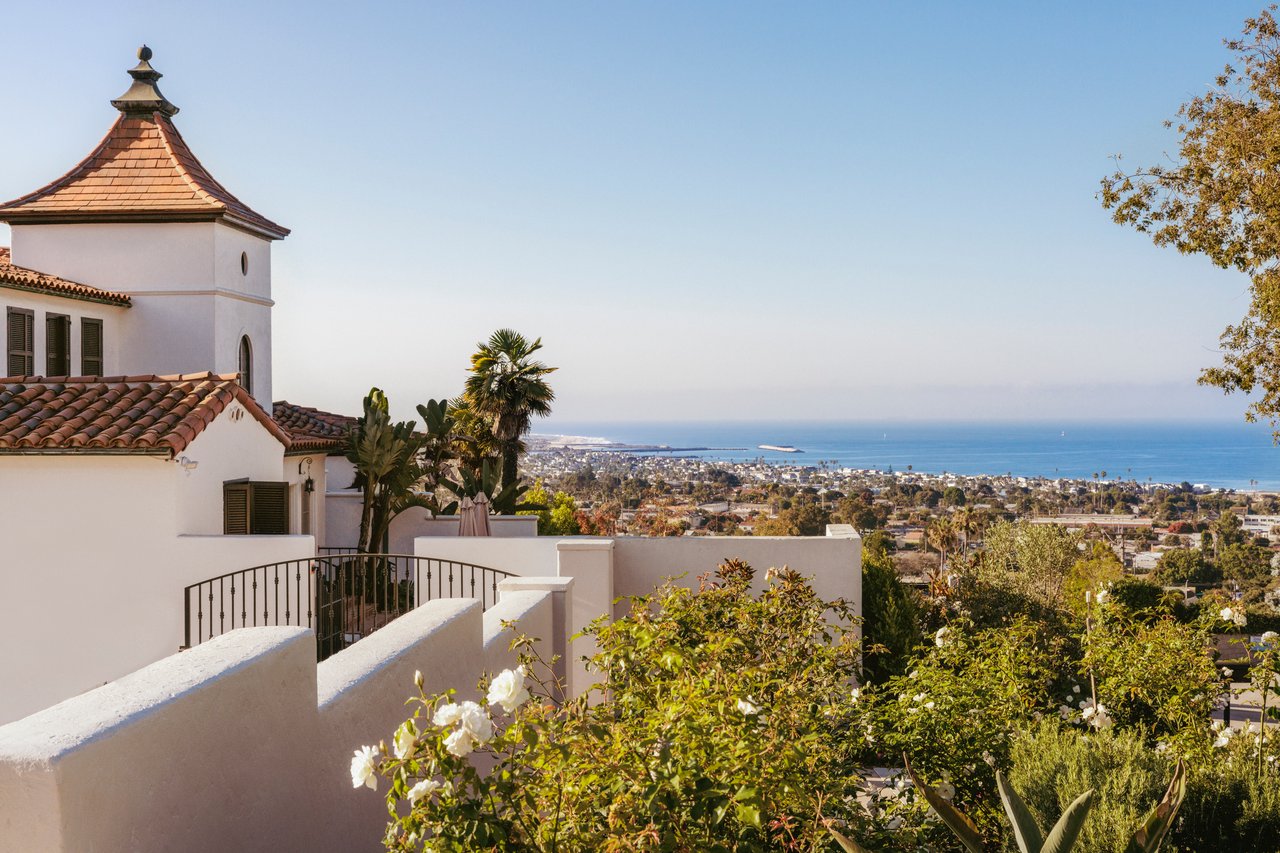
[722, 724]
[1156, 676]
[955, 714]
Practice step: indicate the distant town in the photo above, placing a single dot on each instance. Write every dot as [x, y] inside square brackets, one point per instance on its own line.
[1186, 536]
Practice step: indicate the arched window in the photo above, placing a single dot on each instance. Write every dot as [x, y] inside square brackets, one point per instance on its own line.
[246, 364]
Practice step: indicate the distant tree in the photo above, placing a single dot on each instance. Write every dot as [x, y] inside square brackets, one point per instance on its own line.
[1136, 594]
[1219, 197]
[891, 628]
[1032, 559]
[508, 389]
[558, 515]
[1182, 566]
[1089, 574]
[953, 496]
[1245, 563]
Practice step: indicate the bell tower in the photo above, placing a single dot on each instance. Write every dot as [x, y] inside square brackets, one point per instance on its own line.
[140, 215]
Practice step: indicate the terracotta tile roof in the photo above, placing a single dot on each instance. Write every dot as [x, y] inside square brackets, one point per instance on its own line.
[117, 414]
[311, 429]
[22, 278]
[141, 171]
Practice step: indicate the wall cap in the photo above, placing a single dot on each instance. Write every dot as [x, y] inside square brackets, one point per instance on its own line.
[584, 545]
[533, 583]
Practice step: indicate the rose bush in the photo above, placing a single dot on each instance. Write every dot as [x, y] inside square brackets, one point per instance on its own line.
[723, 722]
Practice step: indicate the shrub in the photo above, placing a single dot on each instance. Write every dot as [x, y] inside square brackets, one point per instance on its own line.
[890, 626]
[1232, 804]
[722, 724]
[1157, 677]
[955, 714]
[1052, 766]
[1136, 595]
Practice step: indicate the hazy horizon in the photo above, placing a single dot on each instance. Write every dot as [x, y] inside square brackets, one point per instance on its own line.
[712, 211]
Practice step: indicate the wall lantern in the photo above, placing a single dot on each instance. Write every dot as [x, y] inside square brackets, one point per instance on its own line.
[309, 486]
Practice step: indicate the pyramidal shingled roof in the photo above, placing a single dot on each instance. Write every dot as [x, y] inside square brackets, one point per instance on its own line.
[142, 171]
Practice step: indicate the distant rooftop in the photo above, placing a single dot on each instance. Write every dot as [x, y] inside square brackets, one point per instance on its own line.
[312, 429]
[142, 171]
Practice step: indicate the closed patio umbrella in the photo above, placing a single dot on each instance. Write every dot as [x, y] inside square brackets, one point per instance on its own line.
[473, 516]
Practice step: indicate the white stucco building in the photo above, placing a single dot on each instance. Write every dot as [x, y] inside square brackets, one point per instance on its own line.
[136, 407]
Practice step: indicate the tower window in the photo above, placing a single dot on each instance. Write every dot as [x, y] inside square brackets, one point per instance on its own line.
[246, 364]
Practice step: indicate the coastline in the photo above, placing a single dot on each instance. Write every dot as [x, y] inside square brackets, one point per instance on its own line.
[1208, 457]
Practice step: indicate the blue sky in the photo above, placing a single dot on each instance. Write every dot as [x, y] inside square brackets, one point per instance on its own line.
[732, 210]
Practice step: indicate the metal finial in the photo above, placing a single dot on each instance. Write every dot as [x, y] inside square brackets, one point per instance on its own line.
[144, 96]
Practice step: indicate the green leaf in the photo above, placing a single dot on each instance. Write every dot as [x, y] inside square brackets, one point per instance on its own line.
[1025, 829]
[1063, 835]
[747, 814]
[956, 820]
[1151, 834]
[848, 844]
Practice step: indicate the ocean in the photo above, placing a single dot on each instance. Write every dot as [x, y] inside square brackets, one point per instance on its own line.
[1226, 455]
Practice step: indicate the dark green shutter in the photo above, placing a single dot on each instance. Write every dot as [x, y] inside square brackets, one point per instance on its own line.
[90, 347]
[21, 340]
[269, 508]
[235, 509]
[257, 508]
[57, 328]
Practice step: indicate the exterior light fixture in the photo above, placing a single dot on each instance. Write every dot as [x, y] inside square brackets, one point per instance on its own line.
[309, 486]
[187, 464]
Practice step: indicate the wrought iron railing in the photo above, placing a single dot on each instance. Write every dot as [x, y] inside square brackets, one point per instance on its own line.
[343, 597]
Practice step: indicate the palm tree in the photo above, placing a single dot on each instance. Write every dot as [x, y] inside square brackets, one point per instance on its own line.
[388, 471]
[508, 389]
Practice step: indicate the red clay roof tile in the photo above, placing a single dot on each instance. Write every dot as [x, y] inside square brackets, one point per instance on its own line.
[117, 414]
[108, 185]
[312, 429]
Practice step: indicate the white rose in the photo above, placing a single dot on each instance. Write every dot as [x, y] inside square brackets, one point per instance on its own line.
[476, 722]
[1269, 638]
[425, 788]
[748, 707]
[460, 743]
[940, 637]
[402, 743]
[362, 768]
[856, 694]
[507, 689]
[946, 790]
[1102, 597]
[447, 714]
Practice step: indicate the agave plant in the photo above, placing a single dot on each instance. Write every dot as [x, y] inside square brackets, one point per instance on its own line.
[1028, 835]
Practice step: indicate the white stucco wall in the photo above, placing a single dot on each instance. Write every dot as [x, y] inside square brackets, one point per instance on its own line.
[243, 743]
[833, 562]
[234, 446]
[342, 522]
[297, 469]
[605, 569]
[191, 303]
[97, 550]
[112, 317]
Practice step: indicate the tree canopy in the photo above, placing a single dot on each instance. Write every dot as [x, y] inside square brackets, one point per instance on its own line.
[1220, 197]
